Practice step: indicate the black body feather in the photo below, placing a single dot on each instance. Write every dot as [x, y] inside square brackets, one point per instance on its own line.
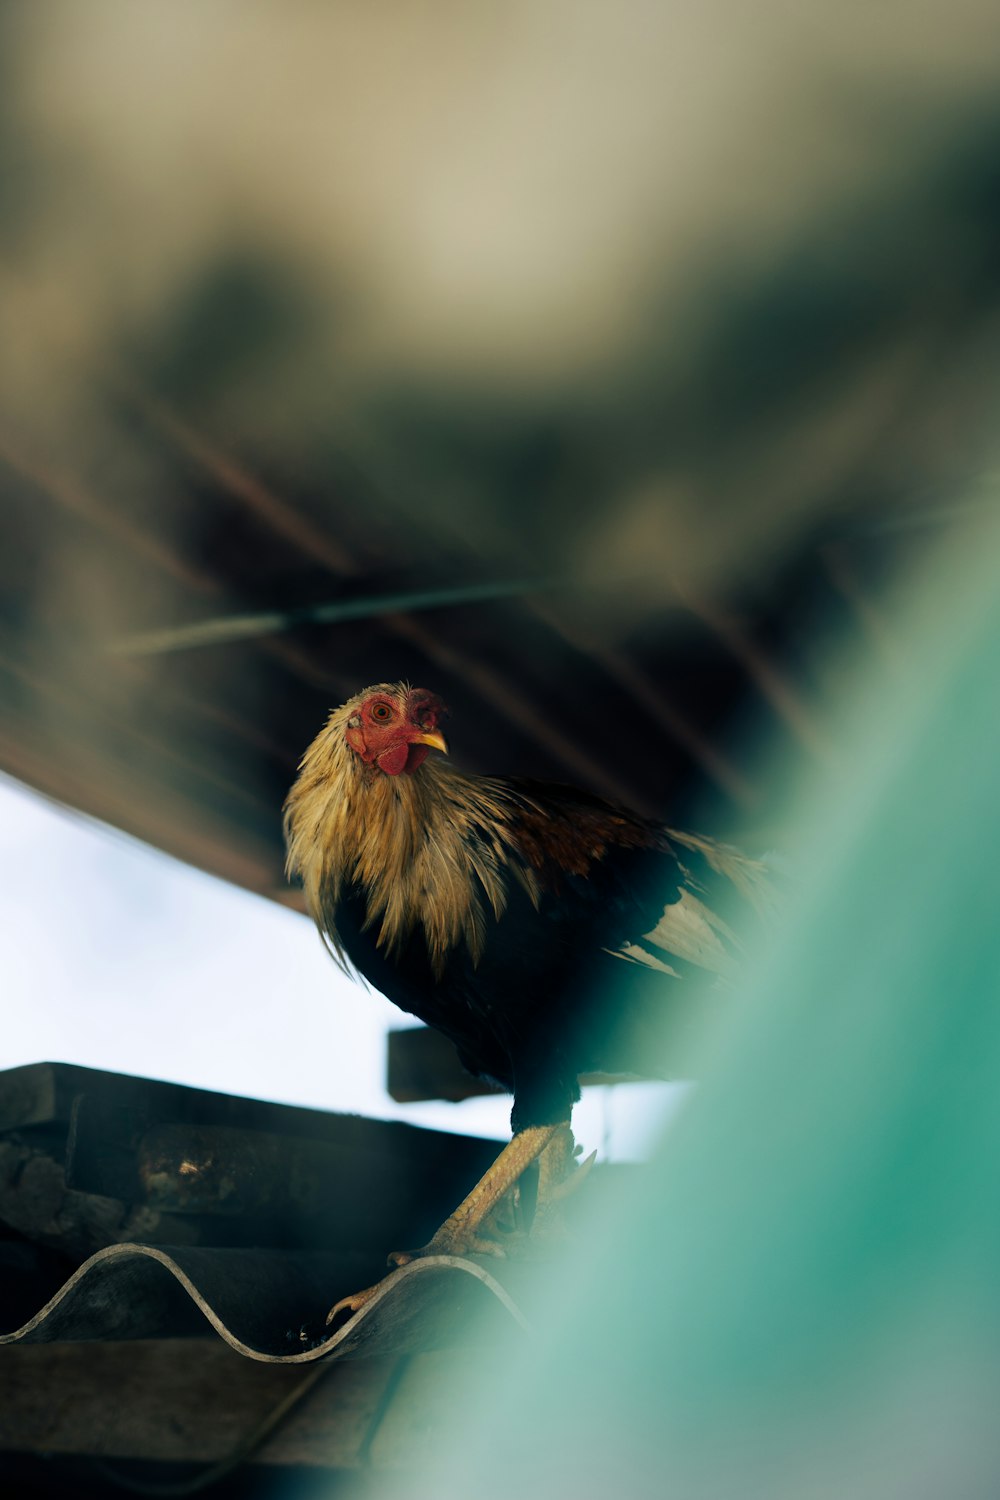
[550, 996]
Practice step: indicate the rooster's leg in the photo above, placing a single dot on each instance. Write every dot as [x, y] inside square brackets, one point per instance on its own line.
[559, 1175]
[459, 1234]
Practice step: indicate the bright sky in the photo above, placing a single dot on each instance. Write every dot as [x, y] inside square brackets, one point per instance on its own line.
[117, 957]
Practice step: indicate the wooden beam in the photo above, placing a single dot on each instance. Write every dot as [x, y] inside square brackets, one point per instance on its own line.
[422, 1064]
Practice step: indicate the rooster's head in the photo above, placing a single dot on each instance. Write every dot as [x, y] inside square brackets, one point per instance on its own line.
[393, 727]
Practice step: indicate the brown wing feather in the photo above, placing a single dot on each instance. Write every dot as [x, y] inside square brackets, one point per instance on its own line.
[561, 831]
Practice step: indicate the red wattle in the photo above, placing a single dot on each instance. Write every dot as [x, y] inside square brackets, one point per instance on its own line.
[392, 760]
[401, 757]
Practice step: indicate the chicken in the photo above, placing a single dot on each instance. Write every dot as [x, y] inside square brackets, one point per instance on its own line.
[546, 931]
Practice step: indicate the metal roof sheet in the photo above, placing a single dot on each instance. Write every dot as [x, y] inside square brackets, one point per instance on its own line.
[272, 1305]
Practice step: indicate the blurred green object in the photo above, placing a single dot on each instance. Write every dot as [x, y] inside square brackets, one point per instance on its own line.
[802, 1298]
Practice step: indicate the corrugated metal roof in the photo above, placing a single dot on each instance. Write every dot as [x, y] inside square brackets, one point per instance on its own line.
[272, 1305]
[257, 1215]
[139, 1213]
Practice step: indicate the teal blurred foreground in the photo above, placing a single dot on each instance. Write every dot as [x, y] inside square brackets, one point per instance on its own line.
[803, 1299]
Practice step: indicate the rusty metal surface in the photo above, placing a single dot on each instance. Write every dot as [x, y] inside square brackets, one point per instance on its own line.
[89, 1159]
[271, 1306]
[303, 1180]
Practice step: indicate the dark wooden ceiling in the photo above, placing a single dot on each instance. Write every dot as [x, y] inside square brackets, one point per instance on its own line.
[694, 710]
[678, 556]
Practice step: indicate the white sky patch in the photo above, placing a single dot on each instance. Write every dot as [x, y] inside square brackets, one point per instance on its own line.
[115, 956]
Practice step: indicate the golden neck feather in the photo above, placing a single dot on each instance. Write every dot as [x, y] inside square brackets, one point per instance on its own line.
[432, 848]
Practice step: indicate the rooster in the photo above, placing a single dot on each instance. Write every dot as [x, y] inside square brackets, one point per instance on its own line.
[546, 931]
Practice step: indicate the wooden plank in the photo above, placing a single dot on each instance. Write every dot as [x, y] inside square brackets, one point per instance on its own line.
[183, 1400]
[196, 1401]
[41, 1093]
[53, 1093]
[423, 1064]
[419, 1422]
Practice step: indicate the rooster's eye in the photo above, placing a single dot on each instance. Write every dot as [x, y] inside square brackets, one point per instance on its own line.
[381, 711]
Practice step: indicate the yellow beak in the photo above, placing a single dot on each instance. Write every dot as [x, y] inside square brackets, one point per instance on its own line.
[434, 738]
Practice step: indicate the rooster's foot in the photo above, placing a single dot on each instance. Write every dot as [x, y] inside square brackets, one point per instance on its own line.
[353, 1303]
[477, 1227]
[397, 1259]
[469, 1244]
